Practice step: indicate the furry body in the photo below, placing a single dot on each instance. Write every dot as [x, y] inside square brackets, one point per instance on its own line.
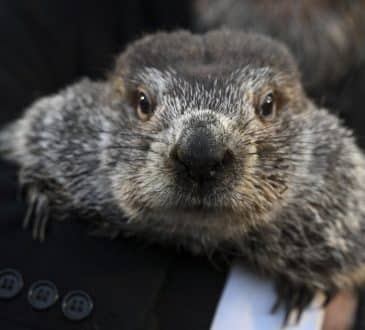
[289, 201]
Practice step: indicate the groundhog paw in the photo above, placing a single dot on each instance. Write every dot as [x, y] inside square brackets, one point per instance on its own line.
[294, 299]
[37, 212]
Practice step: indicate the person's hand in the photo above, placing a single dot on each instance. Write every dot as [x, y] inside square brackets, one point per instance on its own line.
[340, 313]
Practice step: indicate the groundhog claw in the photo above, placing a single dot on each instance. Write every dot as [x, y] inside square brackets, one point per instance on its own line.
[37, 213]
[294, 299]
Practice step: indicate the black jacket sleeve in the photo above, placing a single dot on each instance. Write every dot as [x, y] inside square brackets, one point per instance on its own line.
[120, 284]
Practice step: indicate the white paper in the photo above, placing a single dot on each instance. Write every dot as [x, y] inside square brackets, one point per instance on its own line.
[246, 302]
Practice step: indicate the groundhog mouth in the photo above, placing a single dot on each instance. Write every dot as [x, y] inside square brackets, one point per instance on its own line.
[201, 207]
[193, 214]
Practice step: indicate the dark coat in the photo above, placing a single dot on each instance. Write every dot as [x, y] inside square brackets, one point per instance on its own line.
[128, 285]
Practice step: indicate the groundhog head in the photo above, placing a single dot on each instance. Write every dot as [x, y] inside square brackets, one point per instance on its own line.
[208, 134]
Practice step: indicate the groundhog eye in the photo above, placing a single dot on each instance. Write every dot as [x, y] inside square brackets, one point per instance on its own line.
[267, 107]
[144, 106]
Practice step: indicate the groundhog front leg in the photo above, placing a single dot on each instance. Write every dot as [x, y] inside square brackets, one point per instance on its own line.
[295, 298]
[38, 205]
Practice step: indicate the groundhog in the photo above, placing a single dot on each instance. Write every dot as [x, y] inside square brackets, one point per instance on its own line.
[207, 142]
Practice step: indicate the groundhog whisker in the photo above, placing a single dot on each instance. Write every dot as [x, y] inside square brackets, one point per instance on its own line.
[279, 137]
[296, 131]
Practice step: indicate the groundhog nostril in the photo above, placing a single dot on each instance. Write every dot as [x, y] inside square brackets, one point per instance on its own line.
[228, 157]
[173, 153]
[201, 155]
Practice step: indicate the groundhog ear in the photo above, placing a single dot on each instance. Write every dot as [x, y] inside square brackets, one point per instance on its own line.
[117, 90]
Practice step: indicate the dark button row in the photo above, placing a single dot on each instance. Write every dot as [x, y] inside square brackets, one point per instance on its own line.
[76, 305]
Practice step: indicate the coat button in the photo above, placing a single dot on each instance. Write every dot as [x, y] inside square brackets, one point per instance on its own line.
[77, 305]
[11, 283]
[42, 295]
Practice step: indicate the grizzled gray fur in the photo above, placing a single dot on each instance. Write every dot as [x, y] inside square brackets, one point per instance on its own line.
[208, 142]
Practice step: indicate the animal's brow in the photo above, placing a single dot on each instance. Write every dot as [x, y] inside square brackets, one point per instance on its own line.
[155, 77]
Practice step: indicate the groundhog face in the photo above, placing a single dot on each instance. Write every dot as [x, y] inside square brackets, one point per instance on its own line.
[210, 124]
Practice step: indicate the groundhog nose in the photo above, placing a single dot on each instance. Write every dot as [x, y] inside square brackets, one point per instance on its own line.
[201, 154]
